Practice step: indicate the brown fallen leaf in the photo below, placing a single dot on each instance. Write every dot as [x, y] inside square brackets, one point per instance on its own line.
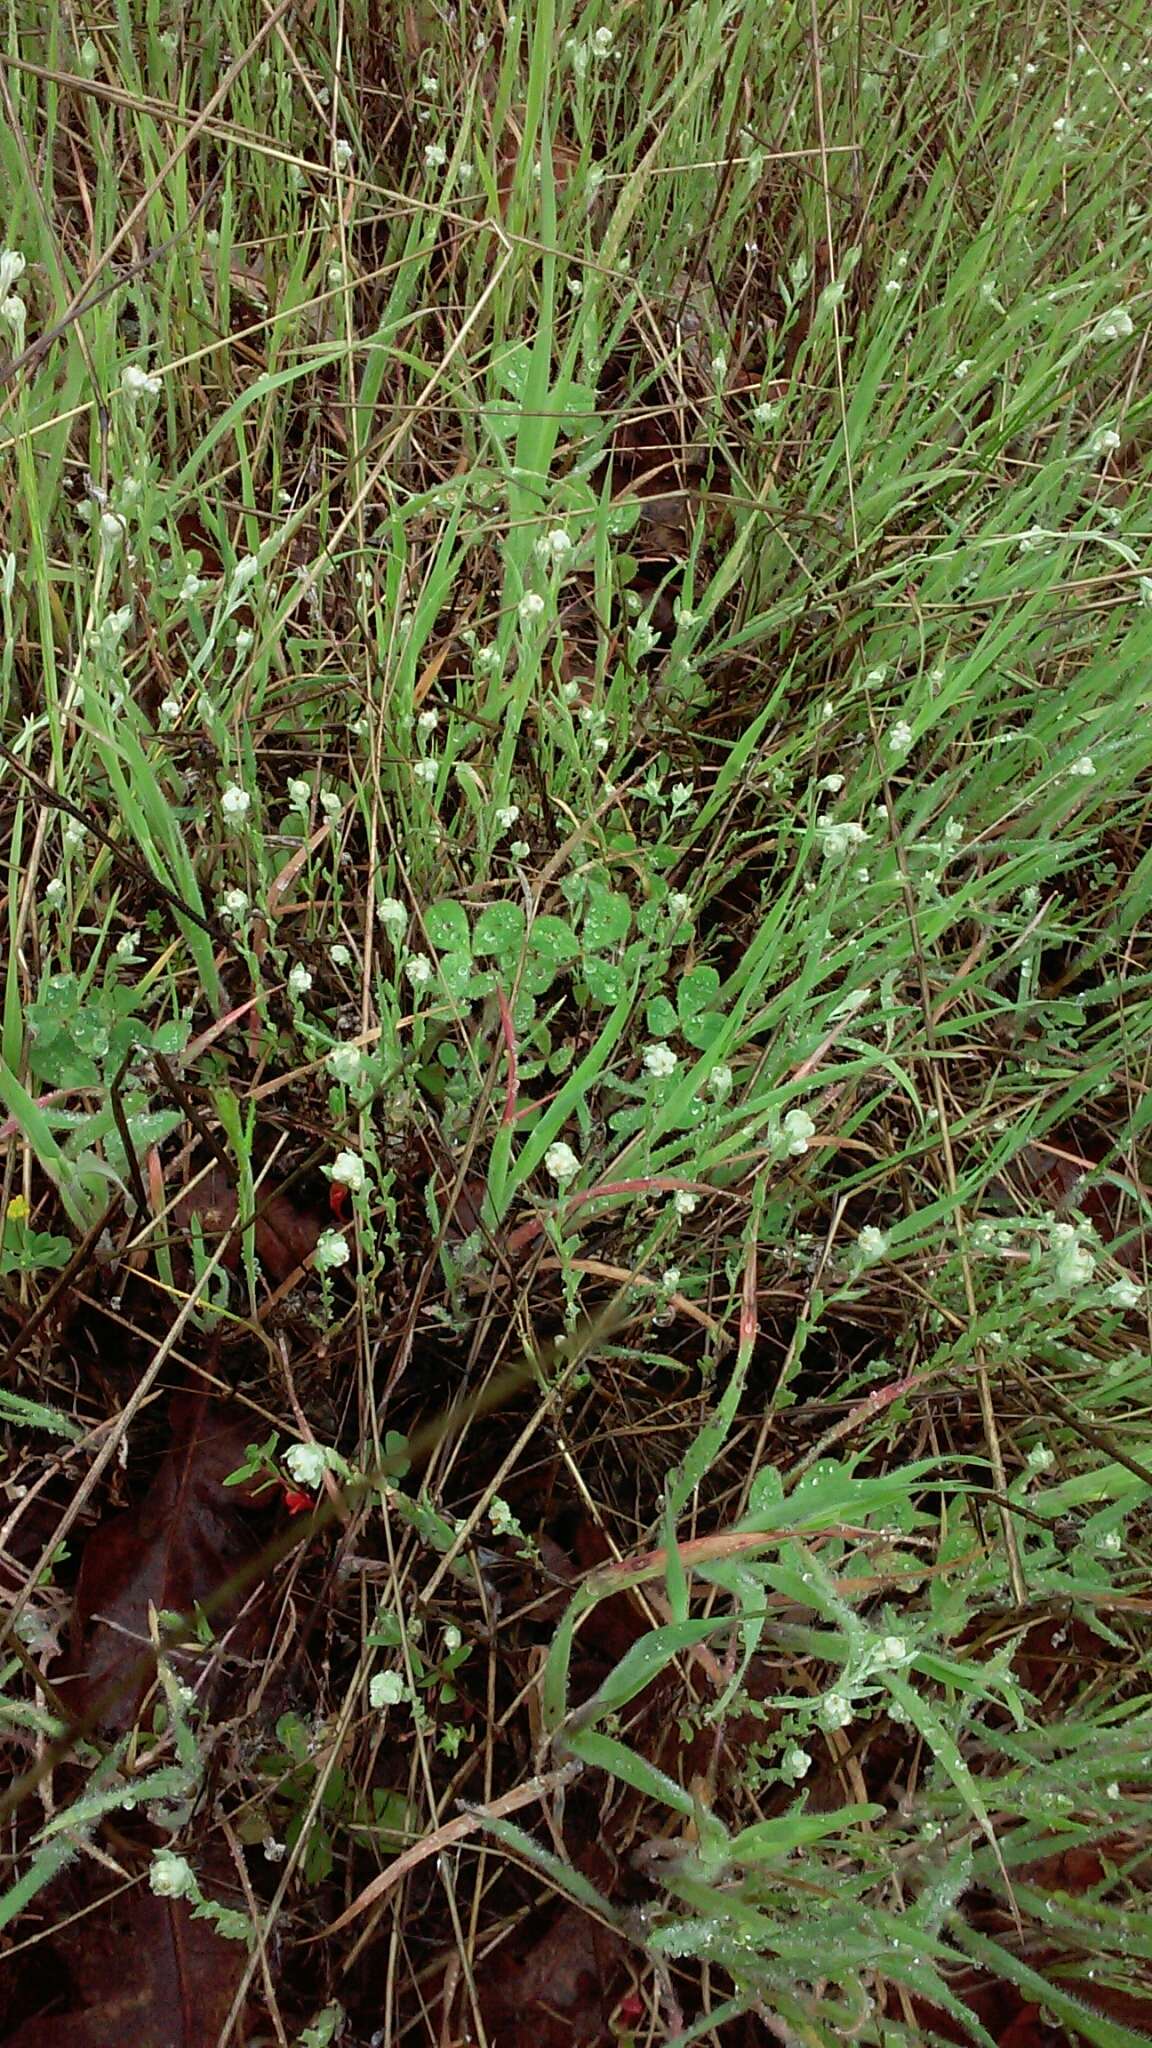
[562, 1993]
[187, 1538]
[285, 1235]
[151, 1976]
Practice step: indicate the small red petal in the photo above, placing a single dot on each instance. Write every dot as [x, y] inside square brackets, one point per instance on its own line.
[338, 1199]
[298, 1503]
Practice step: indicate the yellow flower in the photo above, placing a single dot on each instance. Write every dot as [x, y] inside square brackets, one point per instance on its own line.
[17, 1210]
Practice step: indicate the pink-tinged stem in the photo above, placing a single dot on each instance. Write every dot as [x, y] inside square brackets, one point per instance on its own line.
[749, 1320]
[11, 1128]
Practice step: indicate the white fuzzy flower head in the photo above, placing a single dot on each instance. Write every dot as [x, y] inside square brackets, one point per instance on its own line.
[330, 804]
[894, 1650]
[505, 816]
[1113, 326]
[137, 383]
[111, 630]
[670, 1279]
[128, 946]
[428, 720]
[235, 803]
[234, 904]
[340, 955]
[720, 1082]
[603, 42]
[839, 839]
[348, 1171]
[799, 1130]
[14, 313]
[554, 545]
[872, 1245]
[112, 530]
[171, 1876]
[392, 914]
[1085, 766]
[332, 1250]
[531, 605]
[764, 414]
[344, 1063]
[170, 712]
[834, 1711]
[342, 153]
[191, 587]
[54, 893]
[299, 793]
[12, 268]
[419, 970]
[426, 771]
[501, 1519]
[561, 1162]
[299, 980]
[1105, 441]
[386, 1689]
[243, 640]
[1073, 1262]
[660, 1060]
[684, 1202]
[1124, 1294]
[435, 156]
[900, 737]
[832, 784]
[306, 1464]
[796, 1762]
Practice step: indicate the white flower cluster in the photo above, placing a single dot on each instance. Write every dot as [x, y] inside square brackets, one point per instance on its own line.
[332, 1250]
[386, 1689]
[306, 1464]
[136, 383]
[561, 1162]
[171, 1876]
[349, 1171]
[1072, 1262]
[12, 310]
